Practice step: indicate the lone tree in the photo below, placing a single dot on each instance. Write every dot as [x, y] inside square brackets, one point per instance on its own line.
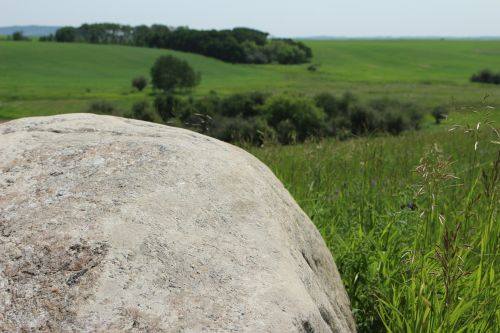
[169, 73]
[139, 83]
[18, 36]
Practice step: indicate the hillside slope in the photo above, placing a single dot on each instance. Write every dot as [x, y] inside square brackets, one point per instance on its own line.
[41, 78]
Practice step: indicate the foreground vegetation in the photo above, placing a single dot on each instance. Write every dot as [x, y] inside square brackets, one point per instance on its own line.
[412, 223]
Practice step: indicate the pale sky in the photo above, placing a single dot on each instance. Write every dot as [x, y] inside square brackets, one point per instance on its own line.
[282, 18]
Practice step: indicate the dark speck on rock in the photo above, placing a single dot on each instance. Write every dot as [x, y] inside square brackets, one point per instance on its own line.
[75, 278]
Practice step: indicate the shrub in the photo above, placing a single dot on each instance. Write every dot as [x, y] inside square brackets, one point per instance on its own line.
[170, 73]
[397, 115]
[139, 83]
[364, 120]
[486, 76]
[198, 114]
[415, 116]
[286, 132]
[208, 105]
[395, 121]
[439, 113]
[307, 119]
[142, 111]
[243, 105]
[328, 103]
[166, 106]
[101, 107]
[496, 78]
[312, 67]
[253, 131]
[348, 99]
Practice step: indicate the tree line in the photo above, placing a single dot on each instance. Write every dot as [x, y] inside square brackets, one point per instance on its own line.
[238, 45]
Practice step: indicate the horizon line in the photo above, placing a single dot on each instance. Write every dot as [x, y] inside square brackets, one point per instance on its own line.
[316, 37]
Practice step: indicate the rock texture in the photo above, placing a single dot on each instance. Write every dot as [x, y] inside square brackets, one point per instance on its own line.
[108, 224]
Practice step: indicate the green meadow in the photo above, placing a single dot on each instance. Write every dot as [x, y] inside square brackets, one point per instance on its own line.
[412, 223]
[50, 78]
[411, 220]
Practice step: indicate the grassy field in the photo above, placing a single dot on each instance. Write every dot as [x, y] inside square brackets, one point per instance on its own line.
[412, 222]
[49, 78]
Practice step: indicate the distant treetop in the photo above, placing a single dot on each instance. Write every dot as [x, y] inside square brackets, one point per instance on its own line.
[239, 45]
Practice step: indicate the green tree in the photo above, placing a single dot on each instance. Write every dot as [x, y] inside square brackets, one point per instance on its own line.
[170, 73]
[66, 34]
[18, 36]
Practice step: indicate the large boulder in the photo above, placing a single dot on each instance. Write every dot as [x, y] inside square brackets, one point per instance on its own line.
[109, 224]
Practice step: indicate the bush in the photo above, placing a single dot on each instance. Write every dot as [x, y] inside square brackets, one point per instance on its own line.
[170, 73]
[166, 106]
[395, 113]
[101, 107]
[243, 105]
[395, 121]
[328, 103]
[304, 117]
[286, 132]
[348, 99]
[486, 76]
[142, 111]
[198, 114]
[139, 83]
[253, 131]
[440, 113]
[364, 120]
[313, 68]
[415, 116]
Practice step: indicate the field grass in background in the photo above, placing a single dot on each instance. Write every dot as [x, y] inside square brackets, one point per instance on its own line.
[48, 78]
[412, 222]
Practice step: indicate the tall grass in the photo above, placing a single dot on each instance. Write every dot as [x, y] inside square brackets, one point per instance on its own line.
[411, 221]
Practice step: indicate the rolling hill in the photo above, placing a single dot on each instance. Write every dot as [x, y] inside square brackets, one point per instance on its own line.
[49, 78]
